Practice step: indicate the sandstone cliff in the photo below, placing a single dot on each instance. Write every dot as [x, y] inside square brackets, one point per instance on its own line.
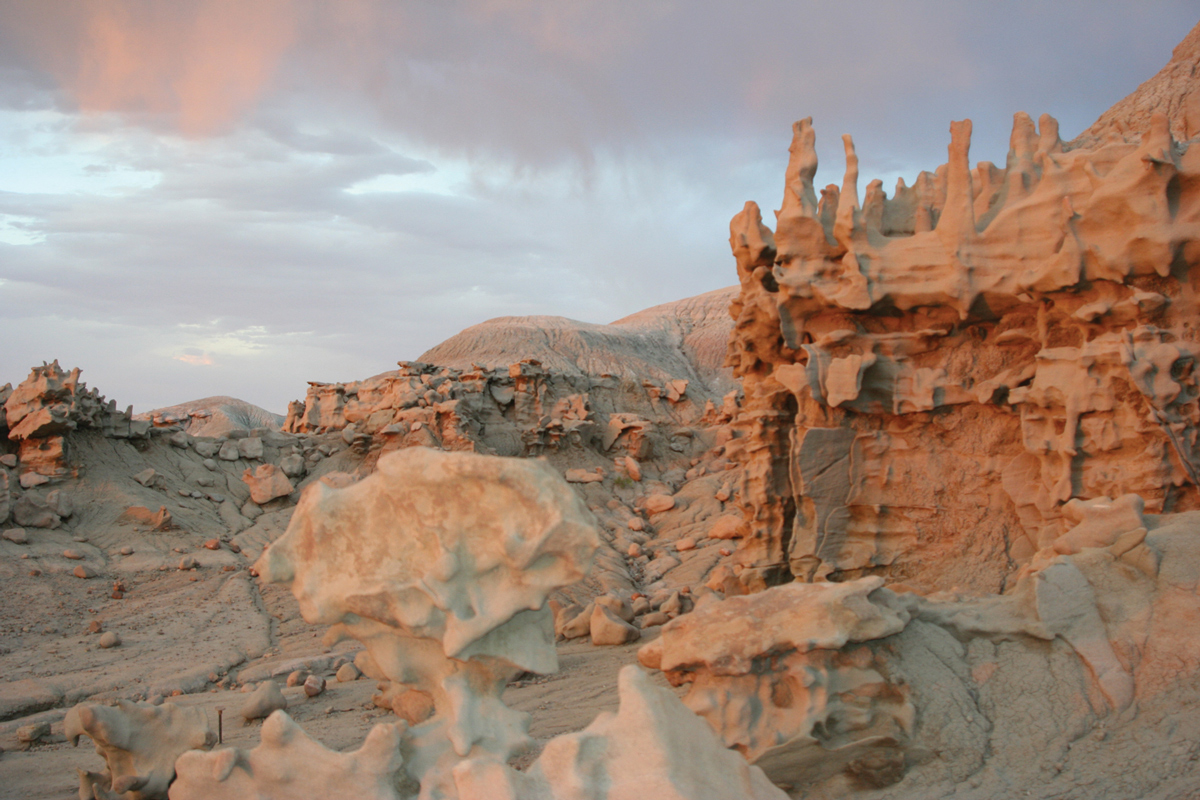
[932, 378]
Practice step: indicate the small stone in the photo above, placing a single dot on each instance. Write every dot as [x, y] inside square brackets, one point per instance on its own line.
[685, 544]
[209, 464]
[9, 460]
[347, 673]
[635, 550]
[251, 447]
[179, 439]
[183, 492]
[414, 706]
[297, 678]
[74, 555]
[263, 701]
[33, 573]
[58, 502]
[314, 685]
[658, 503]
[609, 629]
[206, 449]
[636, 524]
[80, 539]
[229, 451]
[83, 572]
[728, 526]
[145, 477]
[32, 733]
[632, 468]
[217, 498]
[196, 494]
[32, 479]
[95, 626]
[235, 547]
[292, 466]
[110, 639]
[188, 562]
[212, 544]
[724, 493]
[126, 550]
[16, 536]
[654, 618]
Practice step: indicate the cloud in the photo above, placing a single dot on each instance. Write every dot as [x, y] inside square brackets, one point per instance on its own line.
[299, 190]
[198, 359]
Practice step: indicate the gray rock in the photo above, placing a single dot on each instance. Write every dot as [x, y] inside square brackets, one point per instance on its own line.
[347, 673]
[210, 464]
[9, 460]
[16, 536]
[251, 447]
[206, 449]
[110, 639]
[180, 439]
[145, 477]
[293, 466]
[59, 503]
[229, 451]
[32, 479]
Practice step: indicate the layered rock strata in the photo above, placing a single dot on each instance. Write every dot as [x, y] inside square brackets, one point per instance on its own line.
[931, 377]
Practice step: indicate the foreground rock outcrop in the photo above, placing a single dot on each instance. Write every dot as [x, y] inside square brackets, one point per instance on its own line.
[440, 564]
[845, 688]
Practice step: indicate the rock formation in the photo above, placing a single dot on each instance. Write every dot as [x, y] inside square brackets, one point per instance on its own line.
[49, 404]
[930, 378]
[844, 687]
[289, 765]
[441, 563]
[139, 743]
[652, 747]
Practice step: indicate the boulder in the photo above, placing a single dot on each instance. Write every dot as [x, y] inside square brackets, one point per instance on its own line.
[607, 628]
[266, 483]
[264, 700]
[658, 503]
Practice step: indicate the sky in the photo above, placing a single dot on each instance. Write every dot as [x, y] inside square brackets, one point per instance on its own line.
[234, 197]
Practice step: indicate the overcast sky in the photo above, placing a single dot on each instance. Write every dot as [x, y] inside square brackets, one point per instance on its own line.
[234, 197]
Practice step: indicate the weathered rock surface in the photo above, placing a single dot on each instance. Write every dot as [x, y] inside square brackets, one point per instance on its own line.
[139, 743]
[652, 747]
[931, 377]
[846, 686]
[289, 765]
[440, 563]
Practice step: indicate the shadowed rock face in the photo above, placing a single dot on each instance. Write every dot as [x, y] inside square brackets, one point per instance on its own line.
[930, 378]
